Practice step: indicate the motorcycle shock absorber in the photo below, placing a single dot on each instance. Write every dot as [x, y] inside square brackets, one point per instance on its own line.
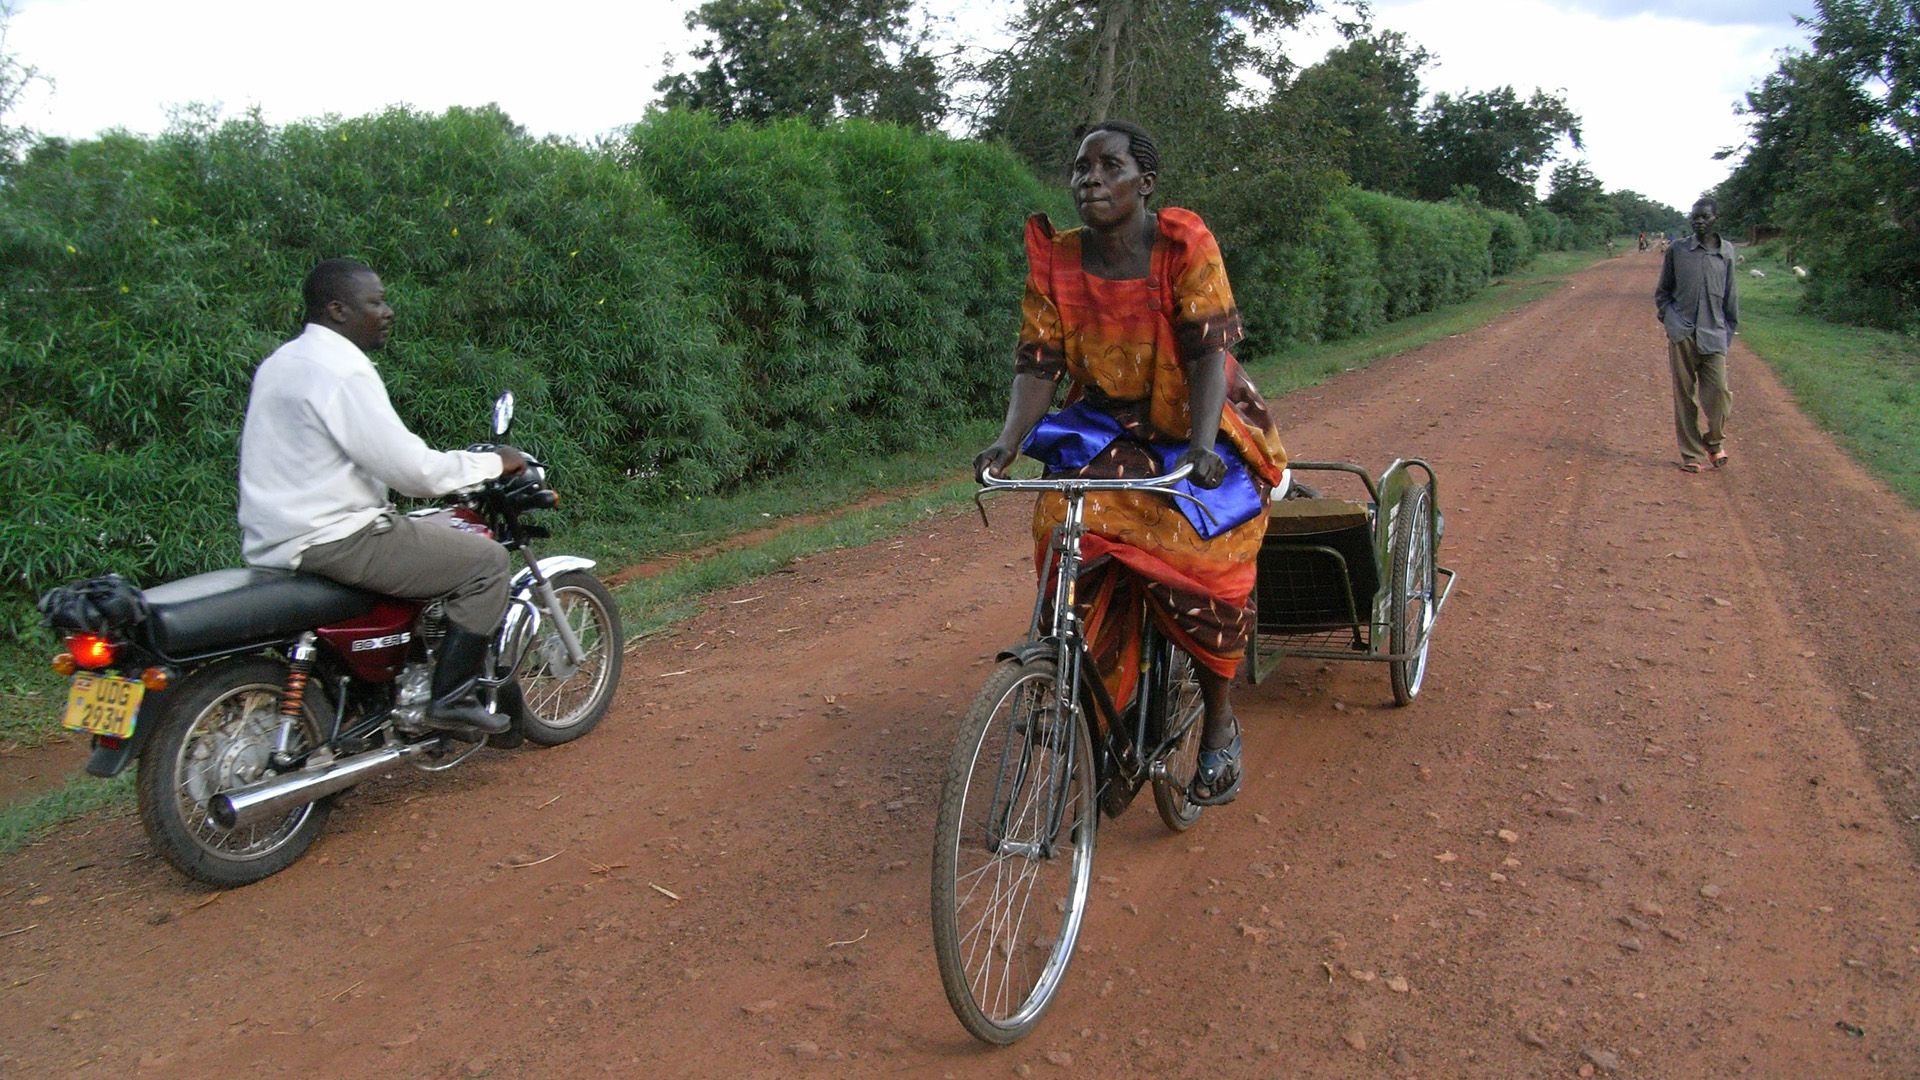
[299, 670]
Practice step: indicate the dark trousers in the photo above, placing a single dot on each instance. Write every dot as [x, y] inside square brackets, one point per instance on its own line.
[1699, 386]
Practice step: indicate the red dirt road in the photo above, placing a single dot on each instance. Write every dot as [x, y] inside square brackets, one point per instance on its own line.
[1685, 697]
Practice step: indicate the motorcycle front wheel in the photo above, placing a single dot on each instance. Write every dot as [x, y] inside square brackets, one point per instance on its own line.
[216, 737]
[566, 700]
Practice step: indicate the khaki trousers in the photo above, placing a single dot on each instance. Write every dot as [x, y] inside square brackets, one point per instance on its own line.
[1699, 386]
[412, 559]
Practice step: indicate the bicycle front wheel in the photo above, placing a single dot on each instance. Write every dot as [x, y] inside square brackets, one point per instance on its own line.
[1013, 852]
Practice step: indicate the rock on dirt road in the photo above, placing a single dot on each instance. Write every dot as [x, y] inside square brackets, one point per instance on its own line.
[1664, 738]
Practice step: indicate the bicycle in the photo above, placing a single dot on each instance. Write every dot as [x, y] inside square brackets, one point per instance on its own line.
[1018, 807]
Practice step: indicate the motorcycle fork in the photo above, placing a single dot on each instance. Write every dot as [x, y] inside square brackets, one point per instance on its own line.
[550, 600]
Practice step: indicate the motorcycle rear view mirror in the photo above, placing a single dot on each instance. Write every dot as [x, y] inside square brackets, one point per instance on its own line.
[503, 413]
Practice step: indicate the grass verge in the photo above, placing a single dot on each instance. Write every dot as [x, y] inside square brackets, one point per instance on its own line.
[1861, 385]
[30, 694]
[649, 604]
[20, 822]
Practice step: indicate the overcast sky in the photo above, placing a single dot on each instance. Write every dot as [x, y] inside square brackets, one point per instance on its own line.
[1655, 84]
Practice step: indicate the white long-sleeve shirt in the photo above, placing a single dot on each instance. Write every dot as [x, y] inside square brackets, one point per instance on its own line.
[322, 446]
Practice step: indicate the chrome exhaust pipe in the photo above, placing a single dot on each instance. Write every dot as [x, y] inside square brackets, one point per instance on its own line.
[272, 798]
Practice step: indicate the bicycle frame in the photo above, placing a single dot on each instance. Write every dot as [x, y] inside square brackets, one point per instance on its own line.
[1123, 755]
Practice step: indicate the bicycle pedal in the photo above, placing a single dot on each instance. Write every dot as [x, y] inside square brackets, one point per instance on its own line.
[1117, 796]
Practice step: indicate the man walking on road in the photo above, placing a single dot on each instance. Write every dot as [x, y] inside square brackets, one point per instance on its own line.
[1696, 302]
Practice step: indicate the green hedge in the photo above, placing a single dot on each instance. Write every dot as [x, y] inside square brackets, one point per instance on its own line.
[1370, 259]
[681, 310]
[870, 275]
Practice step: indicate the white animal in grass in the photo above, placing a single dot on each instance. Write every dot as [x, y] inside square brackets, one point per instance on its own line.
[1800, 272]
[1756, 272]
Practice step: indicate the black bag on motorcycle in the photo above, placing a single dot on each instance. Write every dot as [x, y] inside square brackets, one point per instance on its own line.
[96, 605]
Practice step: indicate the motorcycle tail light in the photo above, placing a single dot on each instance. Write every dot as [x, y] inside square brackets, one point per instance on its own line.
[90, 651]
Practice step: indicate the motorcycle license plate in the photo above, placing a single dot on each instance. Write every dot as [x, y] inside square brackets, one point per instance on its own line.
[103, 705]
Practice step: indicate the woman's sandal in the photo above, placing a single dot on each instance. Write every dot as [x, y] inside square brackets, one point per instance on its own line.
[1218, 773]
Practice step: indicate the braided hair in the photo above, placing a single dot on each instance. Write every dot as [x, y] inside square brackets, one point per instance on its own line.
[1139, 143]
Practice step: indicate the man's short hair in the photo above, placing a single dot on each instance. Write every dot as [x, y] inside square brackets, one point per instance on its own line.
[329, 281]
[1708, 200]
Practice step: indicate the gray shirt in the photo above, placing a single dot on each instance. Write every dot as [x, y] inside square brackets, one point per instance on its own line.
[1695, 297]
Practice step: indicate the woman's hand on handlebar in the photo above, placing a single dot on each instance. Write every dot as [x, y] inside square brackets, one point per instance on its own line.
[993, 459]
[1208, 469]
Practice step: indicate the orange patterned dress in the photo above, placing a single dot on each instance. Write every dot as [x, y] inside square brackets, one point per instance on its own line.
[1125, 345]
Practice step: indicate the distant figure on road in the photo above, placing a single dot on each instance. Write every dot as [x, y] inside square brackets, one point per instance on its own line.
[1697, 304]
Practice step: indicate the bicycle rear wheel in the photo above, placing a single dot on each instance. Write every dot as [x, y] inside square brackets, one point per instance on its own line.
[1013, 853]
[1181, 710]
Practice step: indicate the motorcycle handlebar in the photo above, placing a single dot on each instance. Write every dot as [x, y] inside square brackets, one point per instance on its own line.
[527, 490]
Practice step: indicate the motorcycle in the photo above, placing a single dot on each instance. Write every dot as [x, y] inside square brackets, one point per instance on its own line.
[252, 697]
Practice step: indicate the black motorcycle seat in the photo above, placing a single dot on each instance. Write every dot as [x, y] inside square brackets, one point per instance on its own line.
[245, 606]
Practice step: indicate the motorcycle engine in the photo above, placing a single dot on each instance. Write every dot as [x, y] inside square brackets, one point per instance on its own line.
[413, 690]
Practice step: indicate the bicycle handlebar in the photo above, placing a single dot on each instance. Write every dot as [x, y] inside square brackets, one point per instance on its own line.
[1163, 482]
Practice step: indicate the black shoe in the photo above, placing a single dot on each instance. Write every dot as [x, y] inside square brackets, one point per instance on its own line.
[456, 706]
[514, 704]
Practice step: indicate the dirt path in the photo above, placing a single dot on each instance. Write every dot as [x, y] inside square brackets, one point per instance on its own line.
[1661, 684]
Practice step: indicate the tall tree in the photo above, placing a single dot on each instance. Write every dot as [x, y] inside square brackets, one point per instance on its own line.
[1581, 199]
[1368, 93]
[1173, 66]
[1802, 113]
[819, 59]
[1495, 141]
[1834, 160]
[15, 77]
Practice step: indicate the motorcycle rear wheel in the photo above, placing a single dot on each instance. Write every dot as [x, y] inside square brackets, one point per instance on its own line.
[214, 738]
[565, 701]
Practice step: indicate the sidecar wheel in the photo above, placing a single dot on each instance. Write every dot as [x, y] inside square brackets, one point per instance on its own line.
[215, 738]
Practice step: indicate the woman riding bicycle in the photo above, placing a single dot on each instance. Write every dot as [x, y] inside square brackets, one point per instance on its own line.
[1135, 309]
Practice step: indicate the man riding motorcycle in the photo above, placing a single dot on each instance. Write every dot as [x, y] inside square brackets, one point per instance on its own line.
[320, 453]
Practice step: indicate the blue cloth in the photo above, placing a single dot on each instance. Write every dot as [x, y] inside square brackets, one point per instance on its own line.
[1068, 440]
